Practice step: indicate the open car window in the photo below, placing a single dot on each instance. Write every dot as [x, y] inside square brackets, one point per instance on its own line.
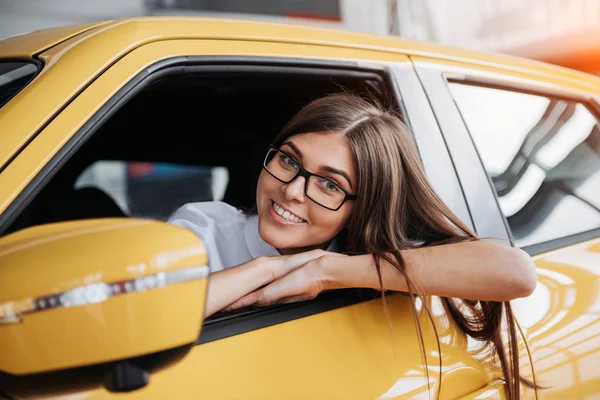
[175, 141]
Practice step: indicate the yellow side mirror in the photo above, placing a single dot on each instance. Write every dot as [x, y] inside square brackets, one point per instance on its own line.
[88, 292]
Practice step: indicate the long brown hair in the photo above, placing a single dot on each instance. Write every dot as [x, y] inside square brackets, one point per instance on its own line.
[398, 209]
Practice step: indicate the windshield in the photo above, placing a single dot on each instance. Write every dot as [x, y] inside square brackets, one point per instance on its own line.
[14, 76]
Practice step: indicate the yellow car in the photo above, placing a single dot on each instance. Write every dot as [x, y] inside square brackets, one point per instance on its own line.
[107, 125]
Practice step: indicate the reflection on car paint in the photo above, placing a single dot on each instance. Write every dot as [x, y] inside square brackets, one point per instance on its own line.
[562, 321]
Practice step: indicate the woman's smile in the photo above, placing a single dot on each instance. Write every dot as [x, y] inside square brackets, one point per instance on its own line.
[284, 216]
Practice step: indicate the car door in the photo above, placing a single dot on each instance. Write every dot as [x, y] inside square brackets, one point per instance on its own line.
[337, 346]
[538, 141]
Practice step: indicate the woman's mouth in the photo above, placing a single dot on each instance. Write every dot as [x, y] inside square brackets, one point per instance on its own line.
[284, 216]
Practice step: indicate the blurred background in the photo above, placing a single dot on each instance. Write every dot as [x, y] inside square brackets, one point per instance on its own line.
[563, 32]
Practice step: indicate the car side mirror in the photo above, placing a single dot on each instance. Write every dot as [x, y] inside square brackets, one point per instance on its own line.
[87, 292]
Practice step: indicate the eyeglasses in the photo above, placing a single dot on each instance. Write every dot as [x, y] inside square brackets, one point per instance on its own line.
[320, 190]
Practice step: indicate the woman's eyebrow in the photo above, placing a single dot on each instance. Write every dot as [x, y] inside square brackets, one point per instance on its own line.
[323, 167]
[295, 148]
[336, 171]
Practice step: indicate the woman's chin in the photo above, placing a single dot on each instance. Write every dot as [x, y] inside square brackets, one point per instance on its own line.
[276, 238]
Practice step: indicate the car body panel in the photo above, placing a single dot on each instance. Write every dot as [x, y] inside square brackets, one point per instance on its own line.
[347, 353]
[562, 321]
[29, 44]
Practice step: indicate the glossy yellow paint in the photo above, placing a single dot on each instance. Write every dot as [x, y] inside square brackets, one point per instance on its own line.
[562, 322]
[347, 353]
[30, 44]
[47, 260]
[343, 353]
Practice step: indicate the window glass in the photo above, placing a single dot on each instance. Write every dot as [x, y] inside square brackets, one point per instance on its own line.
[543, 156]
[154, 190]
[14, 76]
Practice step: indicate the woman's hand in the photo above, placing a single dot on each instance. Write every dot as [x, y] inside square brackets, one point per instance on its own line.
[303, 283]
[283, 265]
[231, 284]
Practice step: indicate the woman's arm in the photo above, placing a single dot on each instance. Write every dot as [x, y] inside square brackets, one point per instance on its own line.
[470, 270]
[228, 285]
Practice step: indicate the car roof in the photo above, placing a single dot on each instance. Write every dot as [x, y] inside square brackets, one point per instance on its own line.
[29, 44]
[132, 32]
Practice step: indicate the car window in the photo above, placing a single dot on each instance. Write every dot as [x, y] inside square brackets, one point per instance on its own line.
[14, 76]
[154, 190]
[543, 157]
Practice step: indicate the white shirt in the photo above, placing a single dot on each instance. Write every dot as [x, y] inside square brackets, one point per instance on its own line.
[230, 237]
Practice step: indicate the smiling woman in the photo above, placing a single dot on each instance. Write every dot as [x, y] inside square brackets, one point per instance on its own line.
[343, 202]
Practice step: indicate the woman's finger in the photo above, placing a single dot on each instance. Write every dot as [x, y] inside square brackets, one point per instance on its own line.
[298, 285]
[245, 301]
[295, 299]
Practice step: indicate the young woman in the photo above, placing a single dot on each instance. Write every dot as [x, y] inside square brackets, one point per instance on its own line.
[343, 202]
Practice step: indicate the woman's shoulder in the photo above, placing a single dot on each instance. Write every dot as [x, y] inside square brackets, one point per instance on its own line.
[208, 213]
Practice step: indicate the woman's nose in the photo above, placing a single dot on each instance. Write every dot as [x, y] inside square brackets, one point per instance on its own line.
[295, 189]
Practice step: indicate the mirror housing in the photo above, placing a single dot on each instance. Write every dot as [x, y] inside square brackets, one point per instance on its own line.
[93, 291]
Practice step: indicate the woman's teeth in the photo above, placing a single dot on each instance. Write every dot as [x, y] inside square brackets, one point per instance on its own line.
[286, 214]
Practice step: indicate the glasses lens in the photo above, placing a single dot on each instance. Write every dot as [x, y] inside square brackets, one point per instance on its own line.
[325, 192]
[281, 166]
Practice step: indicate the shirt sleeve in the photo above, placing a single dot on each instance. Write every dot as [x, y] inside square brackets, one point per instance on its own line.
[191, 216]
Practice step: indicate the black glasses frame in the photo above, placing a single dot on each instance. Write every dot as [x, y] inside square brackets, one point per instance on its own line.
[306, 175]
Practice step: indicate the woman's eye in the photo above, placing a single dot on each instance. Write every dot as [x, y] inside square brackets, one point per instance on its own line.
[287, 161]
[329, 186]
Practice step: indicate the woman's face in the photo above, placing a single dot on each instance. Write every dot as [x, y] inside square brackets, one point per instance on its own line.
[325, 154]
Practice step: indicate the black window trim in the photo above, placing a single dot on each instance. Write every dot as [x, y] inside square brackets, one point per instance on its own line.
[36, 63]
[226, 326]
[589, 101]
